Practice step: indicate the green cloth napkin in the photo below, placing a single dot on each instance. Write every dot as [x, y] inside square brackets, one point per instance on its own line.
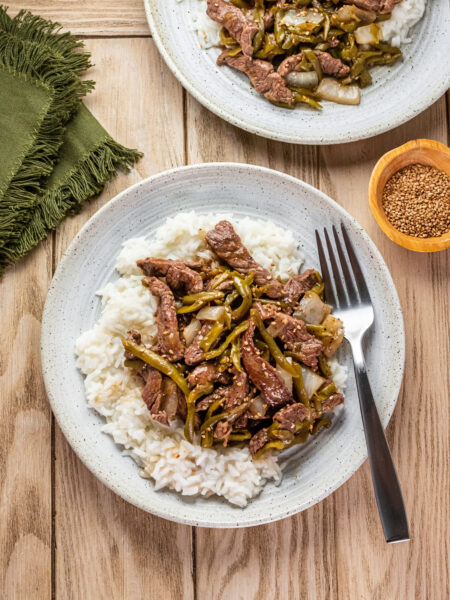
[54, 155]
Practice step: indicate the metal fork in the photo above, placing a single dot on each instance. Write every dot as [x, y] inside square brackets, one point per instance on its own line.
[351, 298]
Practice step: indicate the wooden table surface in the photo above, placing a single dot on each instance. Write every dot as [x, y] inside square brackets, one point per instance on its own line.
[64, 535]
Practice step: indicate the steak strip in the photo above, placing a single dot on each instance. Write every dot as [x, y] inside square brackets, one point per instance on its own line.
[241, 28]
[329, 64]
[378, 6]
[169, 342]
[226, 243]
[180, 275]
[293, 333]
[262, 75]
[265, 377]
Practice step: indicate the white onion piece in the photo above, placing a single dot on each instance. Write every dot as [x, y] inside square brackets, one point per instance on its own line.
[305, 79]
[257, 407]
[369, 34]
[293, 17]
[330, 89]
[287, 378]
[349, 13]
[211, 313]
[191, 331]
[311, 381]
[312, 310]
[336, 327]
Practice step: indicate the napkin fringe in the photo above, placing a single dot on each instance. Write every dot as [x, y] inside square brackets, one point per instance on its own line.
[27, 50]
[85, 181]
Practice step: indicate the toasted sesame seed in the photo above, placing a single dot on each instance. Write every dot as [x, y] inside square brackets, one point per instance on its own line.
[416, 201]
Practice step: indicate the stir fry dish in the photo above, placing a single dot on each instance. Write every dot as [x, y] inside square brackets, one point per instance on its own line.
[239, 357]
[301, 51]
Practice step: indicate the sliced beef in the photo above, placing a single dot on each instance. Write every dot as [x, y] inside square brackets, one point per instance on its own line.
[231, 395]
[297, 285]
[223, 431]
[288, 416]
[152, 394]
[226, 243]
[262, 76]
[180, 275]
[293, 333]
[169, 342]
[266, 311]
[265, 377]
[193, 353]
[332, 401]
[379, 6]
[171, 398]
[136, 337]
[237, 391]
[329, 64]
[258, 441]
[241, 28]
[207, 373]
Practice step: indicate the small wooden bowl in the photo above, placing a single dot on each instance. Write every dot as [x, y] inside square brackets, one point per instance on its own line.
[426, 152]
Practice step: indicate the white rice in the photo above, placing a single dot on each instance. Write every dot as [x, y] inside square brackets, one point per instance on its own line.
[395, 31]
[162, 453]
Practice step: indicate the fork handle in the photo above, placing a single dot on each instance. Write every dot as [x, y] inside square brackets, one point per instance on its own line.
[385, 482]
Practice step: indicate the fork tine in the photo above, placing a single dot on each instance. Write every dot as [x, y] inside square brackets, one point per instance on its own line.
[342, 298]
[359, 277]
[329, 293]
[352, 295]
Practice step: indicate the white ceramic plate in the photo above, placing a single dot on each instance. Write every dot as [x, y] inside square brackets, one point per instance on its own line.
[398, 93]
[315, 469]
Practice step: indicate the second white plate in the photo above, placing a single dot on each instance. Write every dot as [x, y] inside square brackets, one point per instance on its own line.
[397, 94]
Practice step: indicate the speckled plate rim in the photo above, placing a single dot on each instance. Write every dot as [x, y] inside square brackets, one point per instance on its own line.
[434, 93]
[76, 440]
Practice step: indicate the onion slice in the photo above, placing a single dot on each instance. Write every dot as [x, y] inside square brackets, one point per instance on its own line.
[211, 313]
[330, 89]
[312, 310]
[369, 34]
[312, 381]
[191, 330]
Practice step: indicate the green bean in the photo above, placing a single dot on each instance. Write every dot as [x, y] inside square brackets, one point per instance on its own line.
[299, 387]
[319, 331]
[213, 407]
[206, 440]
[231, 298]
[157, 362]
[243, 288]
[240, 3]
[314, 62]
[326, 392]
[212, 335]
[240, 437]
[324, 366]
[275, 351]
[224, 345]
[203, 296]
[228, 415]
[319, 424]
[218, 279]
[277, 445]
[235, 354]
[193, 396]
[306, 99]
[278, 303]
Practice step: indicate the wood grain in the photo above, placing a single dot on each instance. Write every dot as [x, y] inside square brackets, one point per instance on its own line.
[118, 18]
[105, 548]
[99, 546]
[25, 433]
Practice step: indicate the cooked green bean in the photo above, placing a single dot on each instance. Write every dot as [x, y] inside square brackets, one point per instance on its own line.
[326, 391]
[133, 363]
[319, 331]
[206, 439]
[193, 396]
[240, 437]
[235, 354]
[276, 445]
[218, 279]
[325, 367]
[231, 298]
[314, 62]
[157, 362]
[213, 407]
[196, 301]
[224, 345]
[243, 288]
[275, 351]
[213, 334]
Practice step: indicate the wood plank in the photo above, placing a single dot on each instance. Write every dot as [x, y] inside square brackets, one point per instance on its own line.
[87, 18]
[25, 433]
[240, 564]
[106, 548]
[419, 431]
[340, 542]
